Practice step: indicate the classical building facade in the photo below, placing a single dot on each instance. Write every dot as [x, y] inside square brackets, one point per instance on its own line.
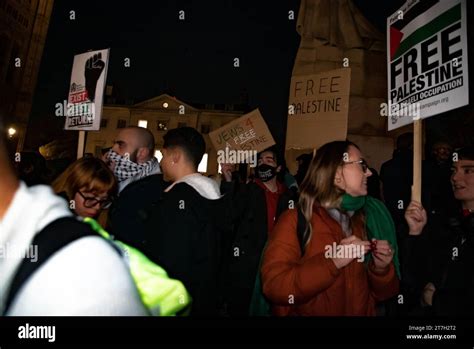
[160, 114]
[23, 29]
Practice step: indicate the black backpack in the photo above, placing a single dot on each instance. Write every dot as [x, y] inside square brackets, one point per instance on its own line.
[51, 239]
[259, 305]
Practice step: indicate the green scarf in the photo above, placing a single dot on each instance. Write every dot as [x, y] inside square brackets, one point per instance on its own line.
[379, 223]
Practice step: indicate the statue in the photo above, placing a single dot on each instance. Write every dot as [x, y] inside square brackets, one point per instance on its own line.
[335, 34]
[337, 23]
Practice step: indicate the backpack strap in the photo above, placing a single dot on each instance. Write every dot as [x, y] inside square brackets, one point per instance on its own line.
[300, 229]
[51, 239]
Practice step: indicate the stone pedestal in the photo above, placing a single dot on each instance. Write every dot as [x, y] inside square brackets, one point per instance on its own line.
[334, 34]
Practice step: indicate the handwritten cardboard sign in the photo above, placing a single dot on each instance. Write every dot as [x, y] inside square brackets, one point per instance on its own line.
[318, 110]
[249, 132]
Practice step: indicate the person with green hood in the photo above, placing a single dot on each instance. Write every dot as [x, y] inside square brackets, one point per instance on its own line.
[346, 260]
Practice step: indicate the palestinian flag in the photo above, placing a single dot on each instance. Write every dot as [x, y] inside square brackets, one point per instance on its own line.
[427, 64]
[401, 40]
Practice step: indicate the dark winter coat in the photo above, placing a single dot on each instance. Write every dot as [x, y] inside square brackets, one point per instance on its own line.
[244, 249]
[183, 235]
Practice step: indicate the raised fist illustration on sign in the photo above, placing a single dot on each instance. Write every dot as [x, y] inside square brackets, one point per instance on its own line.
[92, 70]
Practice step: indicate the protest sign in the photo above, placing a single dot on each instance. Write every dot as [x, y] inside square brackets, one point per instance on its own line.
[427, 60]
[88, 77]
[319, 105]
[249, 132]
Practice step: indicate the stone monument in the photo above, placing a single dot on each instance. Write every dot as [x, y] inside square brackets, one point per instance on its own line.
[335, 34]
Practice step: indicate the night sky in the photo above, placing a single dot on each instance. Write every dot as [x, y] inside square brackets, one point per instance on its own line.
[191, 59]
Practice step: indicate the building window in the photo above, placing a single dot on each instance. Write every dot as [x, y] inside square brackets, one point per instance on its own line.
[121, 123]
[162, 125]
[203, 164]
[181, 124]
[142, 123]
[103, 123]
[205, 128]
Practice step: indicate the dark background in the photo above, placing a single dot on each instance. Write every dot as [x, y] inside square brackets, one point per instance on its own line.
[192, 60]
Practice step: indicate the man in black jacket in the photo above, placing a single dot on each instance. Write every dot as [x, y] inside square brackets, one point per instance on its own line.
[438, 257]
[255, 209]
[140, 184]
[183, 233]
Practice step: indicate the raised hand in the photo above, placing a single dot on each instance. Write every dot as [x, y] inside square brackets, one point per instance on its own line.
[428, 291]
[415, 215]
[226, 170]
[92, 70]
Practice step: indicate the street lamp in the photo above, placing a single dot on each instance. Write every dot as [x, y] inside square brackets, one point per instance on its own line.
[11, 132]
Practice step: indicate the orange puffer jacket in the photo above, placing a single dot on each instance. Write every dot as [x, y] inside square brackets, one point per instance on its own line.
[312, 285]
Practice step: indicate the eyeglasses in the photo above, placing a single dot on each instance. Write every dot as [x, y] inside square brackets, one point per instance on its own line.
[361, 162]
[90, 202]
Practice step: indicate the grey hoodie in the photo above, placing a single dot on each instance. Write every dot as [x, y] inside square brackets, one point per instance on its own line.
[206, 187]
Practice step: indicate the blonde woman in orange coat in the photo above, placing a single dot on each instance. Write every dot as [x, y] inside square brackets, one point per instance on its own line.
[349, 261]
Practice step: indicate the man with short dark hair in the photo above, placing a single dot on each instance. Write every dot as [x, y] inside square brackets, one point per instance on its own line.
[133, 162]
[439, 256]
[182, 234]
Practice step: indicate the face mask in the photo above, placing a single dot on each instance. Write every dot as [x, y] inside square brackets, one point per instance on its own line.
[266, 172]
[124, 168]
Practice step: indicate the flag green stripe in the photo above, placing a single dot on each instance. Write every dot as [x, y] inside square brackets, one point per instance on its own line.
[428, 30]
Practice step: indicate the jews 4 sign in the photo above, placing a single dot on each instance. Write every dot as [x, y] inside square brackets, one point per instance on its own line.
[247, 133]
[86, 91]
[427, 60]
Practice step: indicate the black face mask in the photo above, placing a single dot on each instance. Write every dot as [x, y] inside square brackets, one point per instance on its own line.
[266, 172]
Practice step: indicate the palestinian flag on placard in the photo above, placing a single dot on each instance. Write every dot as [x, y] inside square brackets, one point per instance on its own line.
[401, 42]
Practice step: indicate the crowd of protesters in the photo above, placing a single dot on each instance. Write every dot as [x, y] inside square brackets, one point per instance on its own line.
[334, 240]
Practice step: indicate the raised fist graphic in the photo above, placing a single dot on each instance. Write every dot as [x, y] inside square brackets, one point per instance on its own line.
[92, 70]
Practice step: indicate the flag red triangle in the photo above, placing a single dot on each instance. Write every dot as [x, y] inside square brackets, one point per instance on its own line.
[395, 39]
